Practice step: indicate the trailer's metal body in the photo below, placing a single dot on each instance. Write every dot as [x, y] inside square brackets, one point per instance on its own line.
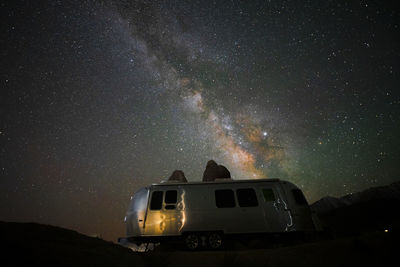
[230, 207]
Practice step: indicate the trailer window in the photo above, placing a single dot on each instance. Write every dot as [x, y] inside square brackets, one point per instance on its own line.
[268, 194]
[247, 197]
[299, 197]
[224, 198]
[156, 200]
[170, 199]
[171, 196]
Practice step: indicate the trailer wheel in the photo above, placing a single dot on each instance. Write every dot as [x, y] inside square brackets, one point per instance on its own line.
[192, 241]
[215, 240]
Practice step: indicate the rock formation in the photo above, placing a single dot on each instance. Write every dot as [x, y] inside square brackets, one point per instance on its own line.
[177, 176]
[214, 171]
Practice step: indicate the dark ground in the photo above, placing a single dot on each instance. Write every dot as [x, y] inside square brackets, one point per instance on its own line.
[29, 244]
[372, 249]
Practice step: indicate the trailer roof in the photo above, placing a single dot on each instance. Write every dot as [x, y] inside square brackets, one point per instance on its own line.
[221, 181]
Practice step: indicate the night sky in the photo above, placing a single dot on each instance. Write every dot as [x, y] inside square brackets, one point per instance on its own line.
[101, 98]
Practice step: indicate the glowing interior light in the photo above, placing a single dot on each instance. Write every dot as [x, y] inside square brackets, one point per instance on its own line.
[386, 230]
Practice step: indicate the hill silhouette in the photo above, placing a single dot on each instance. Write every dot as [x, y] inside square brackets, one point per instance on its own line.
[374, 209]
[32, 244]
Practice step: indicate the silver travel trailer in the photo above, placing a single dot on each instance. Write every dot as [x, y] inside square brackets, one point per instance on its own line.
[206, 212]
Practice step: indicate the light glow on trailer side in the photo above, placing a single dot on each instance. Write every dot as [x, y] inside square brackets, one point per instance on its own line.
[183, 214]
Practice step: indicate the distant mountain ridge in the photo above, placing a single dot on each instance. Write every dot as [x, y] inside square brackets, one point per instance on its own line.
[327, 204]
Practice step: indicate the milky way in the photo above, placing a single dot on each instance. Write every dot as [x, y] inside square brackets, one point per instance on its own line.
[101, 98]
[239, 137]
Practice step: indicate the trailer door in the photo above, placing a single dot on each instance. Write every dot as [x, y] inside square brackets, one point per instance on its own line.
[164, 216]
[274, 211]
[172, 213]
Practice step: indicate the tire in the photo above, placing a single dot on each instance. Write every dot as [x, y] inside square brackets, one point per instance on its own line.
[215, 240]
[192, 241]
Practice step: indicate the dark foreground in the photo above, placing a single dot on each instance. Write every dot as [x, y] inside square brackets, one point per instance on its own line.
[372, 249]
[30, 244]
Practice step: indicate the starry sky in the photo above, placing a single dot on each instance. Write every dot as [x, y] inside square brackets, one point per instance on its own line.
[100, 98]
